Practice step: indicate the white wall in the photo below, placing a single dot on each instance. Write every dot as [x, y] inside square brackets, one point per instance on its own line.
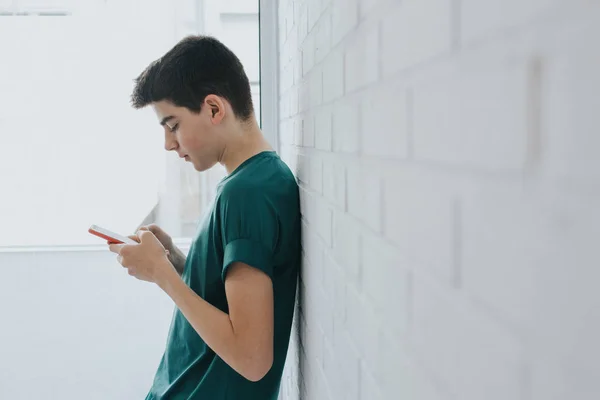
[448, 158]
[75, 325]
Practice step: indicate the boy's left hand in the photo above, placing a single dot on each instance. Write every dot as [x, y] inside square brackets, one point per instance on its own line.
[147, 260]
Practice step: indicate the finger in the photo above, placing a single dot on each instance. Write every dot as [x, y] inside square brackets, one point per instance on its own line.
[153, 228]
[116, 247]
[120, 260]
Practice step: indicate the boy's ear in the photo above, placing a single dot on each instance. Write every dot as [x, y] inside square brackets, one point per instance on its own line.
[216, 106]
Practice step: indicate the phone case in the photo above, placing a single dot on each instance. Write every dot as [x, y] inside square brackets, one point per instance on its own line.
[110, 236]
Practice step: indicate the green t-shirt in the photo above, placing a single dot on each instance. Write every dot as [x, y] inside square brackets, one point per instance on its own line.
[255, 219]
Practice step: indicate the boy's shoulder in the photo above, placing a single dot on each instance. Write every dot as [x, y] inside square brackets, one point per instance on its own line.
[261, 175]
[266, 182]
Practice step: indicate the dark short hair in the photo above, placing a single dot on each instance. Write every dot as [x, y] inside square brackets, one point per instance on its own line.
[194, 68]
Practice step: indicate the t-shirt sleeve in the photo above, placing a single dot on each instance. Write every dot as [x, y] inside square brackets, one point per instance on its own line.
[249, 230]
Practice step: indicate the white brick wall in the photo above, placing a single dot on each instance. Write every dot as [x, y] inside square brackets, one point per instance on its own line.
[448, 156]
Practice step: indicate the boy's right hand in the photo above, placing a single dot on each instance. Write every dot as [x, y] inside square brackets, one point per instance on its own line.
[162, 236]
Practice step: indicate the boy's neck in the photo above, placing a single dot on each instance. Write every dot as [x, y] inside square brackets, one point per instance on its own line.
[246, 143]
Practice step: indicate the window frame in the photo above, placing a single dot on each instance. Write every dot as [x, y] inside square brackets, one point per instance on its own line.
[269, 70]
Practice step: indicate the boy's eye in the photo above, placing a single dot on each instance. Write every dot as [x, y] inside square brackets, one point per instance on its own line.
[174, 127]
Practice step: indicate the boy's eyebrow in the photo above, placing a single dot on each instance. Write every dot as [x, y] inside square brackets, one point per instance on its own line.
[166, 119]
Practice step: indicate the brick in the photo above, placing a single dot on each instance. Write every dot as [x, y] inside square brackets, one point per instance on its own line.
[325, 4]
[364, 195]
[298, 131]
[314, 12]
[373, 204]
[284, 109]
[308, 206]
[534, 235]
[415, 31]
[308, 130]
[310, 314]
[341, 365]
[400, 374]
[291, 47]
[333, 76]
[349, 364]
[334, 183]
[345, 127]
[334, 291]
[332, 369]
[289, 18]
[322, 32]
[287, 78]
[385, 280]
[313, 344]
[304, 96]
[313, 252]
[570, 108]
[297, 66]
[346, 245]
[301, 21]
[294, 102]
[369, 388]
[323, 221]
[302, 171]
[317, 385]
[286, 131]
[365, 324]
[362, 60]
[481, 119]
[479, 18]
[468, 351]
[286, 103]
[344, 19]
[355, 200]
[331, 272]
[365, 7]
[311, 274]
[337, 316]
[308, 54]
[323, 125]
[420, 216]
[316, 174]
[384, 123]
[316, 87]
[288, 155]
[561, 379]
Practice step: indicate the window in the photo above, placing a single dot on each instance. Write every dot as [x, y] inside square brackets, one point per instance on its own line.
[72, 150]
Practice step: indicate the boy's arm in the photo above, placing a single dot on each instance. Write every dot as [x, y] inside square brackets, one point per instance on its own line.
[244, 337]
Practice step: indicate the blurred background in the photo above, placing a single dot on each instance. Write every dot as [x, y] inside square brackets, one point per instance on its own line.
[74, 153]
[77, 152]
[448, 157]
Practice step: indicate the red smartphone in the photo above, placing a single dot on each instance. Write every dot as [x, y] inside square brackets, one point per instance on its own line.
[110, 236]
